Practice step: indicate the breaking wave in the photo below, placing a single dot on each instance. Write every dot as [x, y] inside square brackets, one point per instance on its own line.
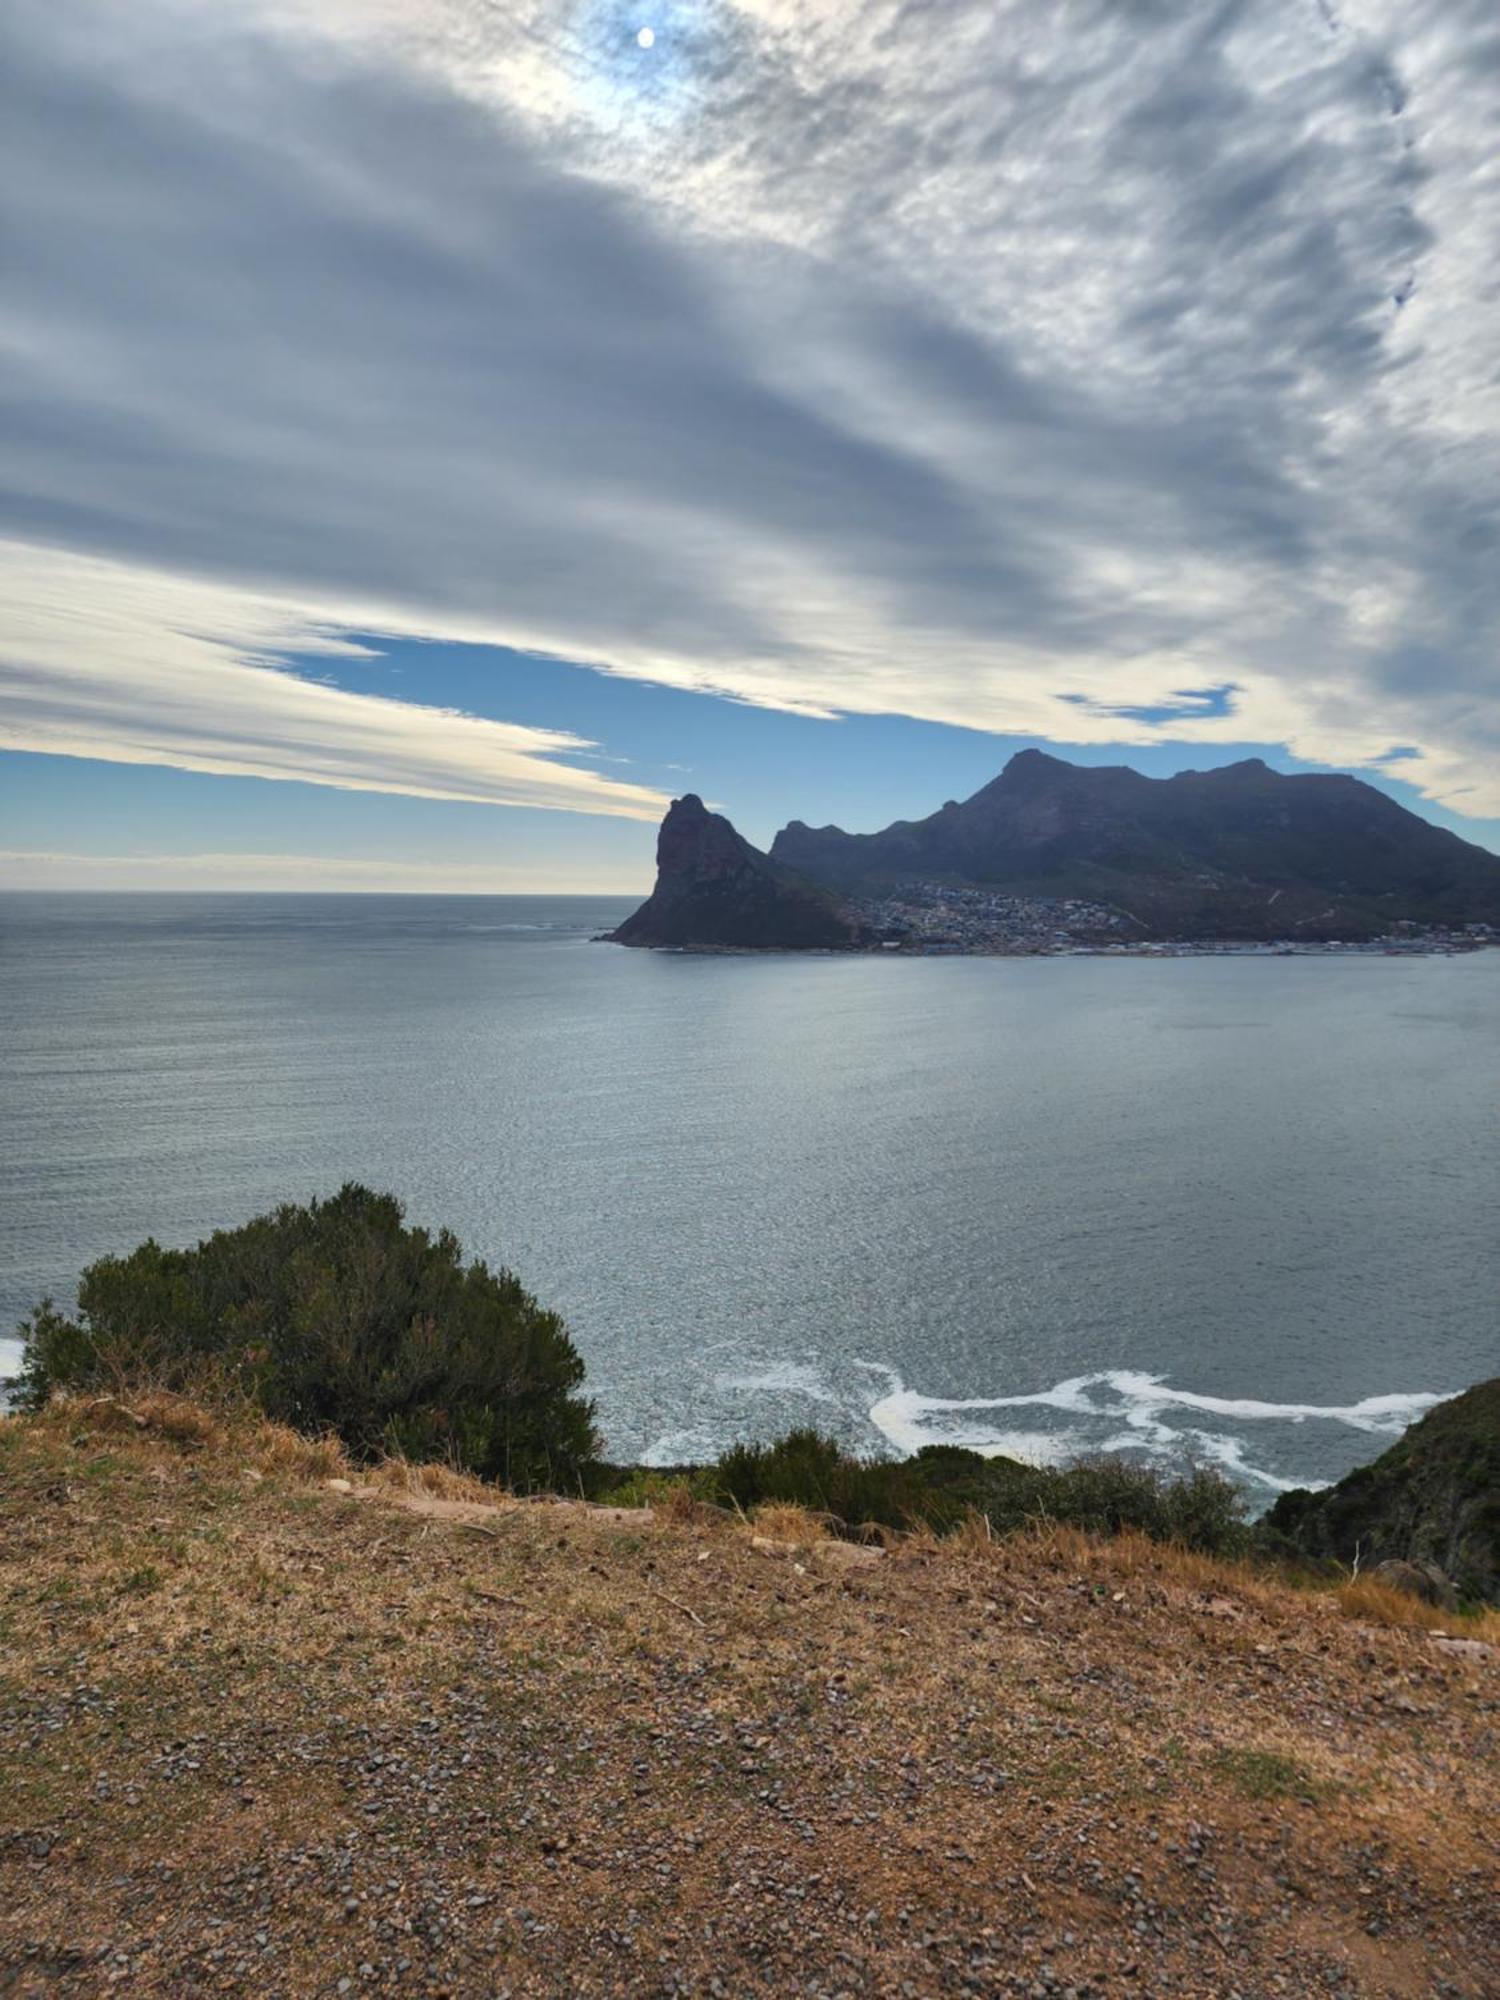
[1251, 1440]
[1120, 1409]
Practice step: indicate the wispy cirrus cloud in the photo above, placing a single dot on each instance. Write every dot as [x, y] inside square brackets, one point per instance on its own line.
[109, 660]
[240, 870]
[1005, 366]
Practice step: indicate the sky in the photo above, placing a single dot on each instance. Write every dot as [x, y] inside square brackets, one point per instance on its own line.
[438, 432]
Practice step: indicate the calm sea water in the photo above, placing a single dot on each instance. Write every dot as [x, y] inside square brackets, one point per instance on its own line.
[1236, 1210]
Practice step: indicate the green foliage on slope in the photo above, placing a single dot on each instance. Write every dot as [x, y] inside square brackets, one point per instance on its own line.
[945, 1485]
[1433, 1497]
[337, 1316]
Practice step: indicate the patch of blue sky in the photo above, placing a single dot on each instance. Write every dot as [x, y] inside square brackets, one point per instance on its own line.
[642, 60]
[1185, 704]
[762, 766]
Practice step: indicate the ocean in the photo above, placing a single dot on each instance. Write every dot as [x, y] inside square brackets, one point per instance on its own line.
[1240, 1211]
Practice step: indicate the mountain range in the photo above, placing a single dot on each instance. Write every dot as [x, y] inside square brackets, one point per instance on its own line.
[1242, 852]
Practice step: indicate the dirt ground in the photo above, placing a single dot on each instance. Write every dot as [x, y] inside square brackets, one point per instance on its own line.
[262, 1736]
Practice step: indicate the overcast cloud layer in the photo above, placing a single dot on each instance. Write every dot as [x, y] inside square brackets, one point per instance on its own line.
[1013, 366]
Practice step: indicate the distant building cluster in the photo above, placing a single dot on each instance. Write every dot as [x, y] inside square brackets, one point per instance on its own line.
[937, 917]
[934, 918]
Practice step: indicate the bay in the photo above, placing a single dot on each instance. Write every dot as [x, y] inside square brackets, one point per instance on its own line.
[1237, 1210]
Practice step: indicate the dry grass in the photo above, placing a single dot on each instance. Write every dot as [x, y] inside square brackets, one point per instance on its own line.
[678, 1506]
[1129, 1556]
[214, 1421]
[278, 1450]
[434, 1480]
[562, 1755]
[180, 1419]
[1375, 1603]
[781, 1521]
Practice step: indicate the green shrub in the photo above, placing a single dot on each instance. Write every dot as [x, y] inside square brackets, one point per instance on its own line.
[811, 1471]
[944, 1483]
[647, 1486]
[1205, 1511]
[1432, 1496]
[337, 1316]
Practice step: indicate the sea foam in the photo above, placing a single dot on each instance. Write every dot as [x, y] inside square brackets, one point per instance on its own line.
[1105, 1401]
[795, 1378]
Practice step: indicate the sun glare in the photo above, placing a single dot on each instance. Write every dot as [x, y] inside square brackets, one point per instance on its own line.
[647, 38]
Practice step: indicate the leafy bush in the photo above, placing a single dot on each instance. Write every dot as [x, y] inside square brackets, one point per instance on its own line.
[944, 1484]
[1105, 1496]
[650, 1486]
[337, 1316]
[806, 1470]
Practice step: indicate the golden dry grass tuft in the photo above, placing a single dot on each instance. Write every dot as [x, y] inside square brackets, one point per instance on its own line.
[163, 1413]
[432, 1479]
[1372, 1602]
[781, 1521]
[179, 1418]
[277, 1450]
[678, 1506]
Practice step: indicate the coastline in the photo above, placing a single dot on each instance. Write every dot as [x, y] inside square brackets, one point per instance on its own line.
[1165, 948]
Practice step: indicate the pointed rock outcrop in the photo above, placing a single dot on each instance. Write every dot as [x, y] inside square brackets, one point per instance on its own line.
[714, 890]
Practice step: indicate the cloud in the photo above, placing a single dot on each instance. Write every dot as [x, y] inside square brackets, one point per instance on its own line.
[998, 365]
[105, 660]
[36, 869]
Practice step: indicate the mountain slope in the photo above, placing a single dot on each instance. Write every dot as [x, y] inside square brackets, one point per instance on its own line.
[714, 889]
[1243, 851]
[1433, 1497]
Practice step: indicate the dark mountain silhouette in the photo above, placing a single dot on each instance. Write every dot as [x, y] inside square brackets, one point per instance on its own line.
[713, 888]
[1239, 852]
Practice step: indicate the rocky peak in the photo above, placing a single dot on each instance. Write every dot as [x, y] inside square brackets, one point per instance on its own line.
[1036, 764]
[694, 841]
[713, 889]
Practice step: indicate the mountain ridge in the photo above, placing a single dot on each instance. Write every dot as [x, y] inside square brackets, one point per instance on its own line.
[1242, 852]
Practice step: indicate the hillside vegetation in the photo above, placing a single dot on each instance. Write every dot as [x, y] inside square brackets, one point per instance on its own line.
[1433, 1497]
[338, 1316]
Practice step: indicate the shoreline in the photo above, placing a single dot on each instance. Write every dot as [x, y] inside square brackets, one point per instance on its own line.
[1165, 948]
